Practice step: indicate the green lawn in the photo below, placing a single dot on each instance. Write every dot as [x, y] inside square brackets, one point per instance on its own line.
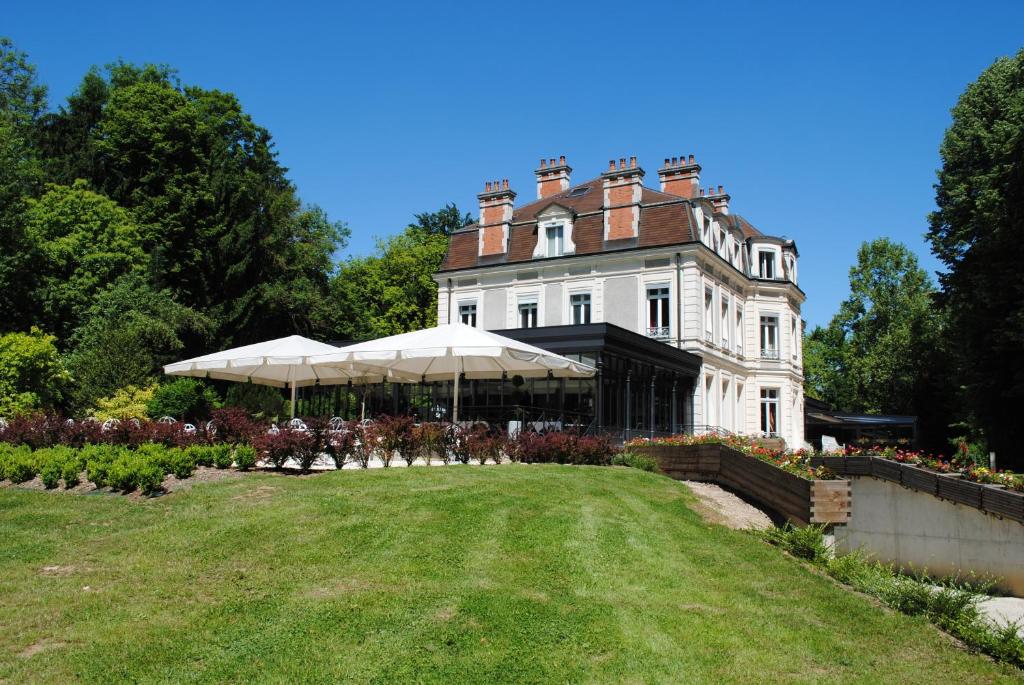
[460, 574]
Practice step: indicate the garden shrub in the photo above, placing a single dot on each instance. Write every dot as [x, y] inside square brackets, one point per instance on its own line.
[186, 399]
[126, 403]
[804, 543]
[394, 434]
[20, 466]
[277, 448]
[50, 473]
[234, 425]
[200, 455]
[148, 477]
[245, 457]
[428, 440]
[338, 446]
[635, 461]
[122, 474]
[222, 457]
[71, 472]
[364, 443]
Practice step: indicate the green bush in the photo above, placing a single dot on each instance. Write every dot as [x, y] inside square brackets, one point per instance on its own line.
[186, 399]
[804, 543]
[222, 456]
[245, 457]
[71, 472]
[635, 461]
[21, 467]
[50, 473]
[148, 477]
[200, 455]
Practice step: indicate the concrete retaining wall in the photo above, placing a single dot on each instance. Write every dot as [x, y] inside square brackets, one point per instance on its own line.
[895, 524]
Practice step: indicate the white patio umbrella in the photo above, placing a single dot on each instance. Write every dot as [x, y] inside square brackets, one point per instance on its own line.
[282, 363]
[446, 352]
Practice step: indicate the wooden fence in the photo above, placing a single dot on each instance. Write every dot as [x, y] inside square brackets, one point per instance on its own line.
[798, 500]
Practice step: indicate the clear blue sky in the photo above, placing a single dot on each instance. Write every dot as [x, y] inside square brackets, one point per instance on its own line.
[822, 120]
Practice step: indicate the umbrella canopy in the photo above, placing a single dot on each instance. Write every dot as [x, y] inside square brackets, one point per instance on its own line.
[284, 362]
[446, 352]
[441, 352]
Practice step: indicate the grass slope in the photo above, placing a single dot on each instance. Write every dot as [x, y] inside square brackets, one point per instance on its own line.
[459, 574]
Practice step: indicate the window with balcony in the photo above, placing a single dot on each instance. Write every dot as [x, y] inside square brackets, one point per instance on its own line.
[709, 300]
[766, 263]
[528, 312]
[580, 305]
[658, 311]
[770, 411]
[556, 240]
[467, 313]
[769, 337]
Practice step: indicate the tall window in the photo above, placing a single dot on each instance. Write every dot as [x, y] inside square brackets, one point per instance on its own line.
[769, 337]
[657, 311]
[726, 412]
[770, 411]
[580, 304]
[556, 243]
[741, 414]
[739, 328]
[794, 340]
[467, 313]
[725, 321]
[528, 312]
[709, 299]
[766, 262]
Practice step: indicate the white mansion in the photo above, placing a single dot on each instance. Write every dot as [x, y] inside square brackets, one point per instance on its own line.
[672, 265]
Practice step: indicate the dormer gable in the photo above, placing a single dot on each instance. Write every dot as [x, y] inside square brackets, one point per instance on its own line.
[554, 231]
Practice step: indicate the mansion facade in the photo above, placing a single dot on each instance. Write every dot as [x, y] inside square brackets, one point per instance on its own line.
[690, 313]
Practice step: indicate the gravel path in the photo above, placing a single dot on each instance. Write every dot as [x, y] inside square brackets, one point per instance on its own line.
[721, 506]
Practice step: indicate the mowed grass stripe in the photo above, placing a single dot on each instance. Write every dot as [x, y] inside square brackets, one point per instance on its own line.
[460, 574]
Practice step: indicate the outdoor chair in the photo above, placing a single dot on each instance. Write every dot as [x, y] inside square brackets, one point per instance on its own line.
[298, 424]
[110, 424]
[273, 430]
[167, 419]
[337, 423]
[189, 428]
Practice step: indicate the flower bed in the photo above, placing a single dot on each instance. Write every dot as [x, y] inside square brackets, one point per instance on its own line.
[797, 463]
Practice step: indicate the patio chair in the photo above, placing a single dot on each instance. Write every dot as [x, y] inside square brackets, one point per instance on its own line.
[273, 430]
[190, 429]
[167, 419]
[336, 423]
[298, 424]
[110, 424]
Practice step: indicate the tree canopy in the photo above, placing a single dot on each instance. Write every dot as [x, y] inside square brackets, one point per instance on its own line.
[976, 232]
[879, 353]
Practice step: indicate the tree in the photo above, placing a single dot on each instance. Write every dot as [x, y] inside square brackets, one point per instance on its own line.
[976, 232]
[80, 243]
[22, 97]
[19, 178]
[226, 233]
[129, 333]
[394, 291]
[32, 375]
[881, 351]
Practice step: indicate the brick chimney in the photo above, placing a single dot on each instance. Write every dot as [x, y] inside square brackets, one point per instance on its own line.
[622, 190]
[495, 217]
[552, 177]
[680, 177]
[719, 200]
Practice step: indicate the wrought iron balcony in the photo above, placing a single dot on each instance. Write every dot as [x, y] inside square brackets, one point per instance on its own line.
[770, 353]
[709, 336]
[658, 332]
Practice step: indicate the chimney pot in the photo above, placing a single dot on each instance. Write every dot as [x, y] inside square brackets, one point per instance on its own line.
[702, 192]
[611, 165]
[720, 190]
[561, 160]
[505, 184]
[691, 159]
[543, 162]
[622, 162]
[632, 162]
[487, 187]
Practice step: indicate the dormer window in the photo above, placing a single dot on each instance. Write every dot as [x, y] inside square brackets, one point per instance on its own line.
[556, 240]
[766, 263]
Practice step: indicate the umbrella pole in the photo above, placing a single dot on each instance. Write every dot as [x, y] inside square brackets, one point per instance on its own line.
[455, 400]
[293, 399]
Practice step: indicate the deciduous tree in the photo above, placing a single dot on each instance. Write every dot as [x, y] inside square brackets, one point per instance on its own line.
[976, 232]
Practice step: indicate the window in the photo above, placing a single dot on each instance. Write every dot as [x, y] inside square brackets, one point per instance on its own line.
[580, 304]
[770, 411]
[725, 322]
[657, 311]
[709, 298]
[528, 312]
[741, 418]
[769, 337]
[556, 243]
[467, 313]
[794, 341]
[766, 263]
[726, 411]
[739, 329]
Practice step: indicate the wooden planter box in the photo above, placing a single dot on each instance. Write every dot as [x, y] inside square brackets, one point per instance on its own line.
[958, 490]
[831, 501]
[886, 469]
[1006, 503]
[919, 479]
